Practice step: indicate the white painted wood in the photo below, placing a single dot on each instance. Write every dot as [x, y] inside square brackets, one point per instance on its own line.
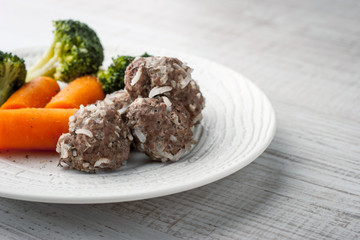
[305, 55]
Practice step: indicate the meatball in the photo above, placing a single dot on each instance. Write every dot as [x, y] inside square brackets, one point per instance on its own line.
[119, 100]
[98, 138]
[162, 128]
[152, 76]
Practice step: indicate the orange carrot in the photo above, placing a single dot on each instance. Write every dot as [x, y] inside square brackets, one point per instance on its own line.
[84, 90]
[33, 128]
[35, 94]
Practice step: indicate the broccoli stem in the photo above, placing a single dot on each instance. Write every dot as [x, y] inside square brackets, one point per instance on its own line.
[46, 66]
[46, 70]
[36, 69]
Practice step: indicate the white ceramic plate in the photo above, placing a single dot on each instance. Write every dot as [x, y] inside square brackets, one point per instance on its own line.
[238, 125]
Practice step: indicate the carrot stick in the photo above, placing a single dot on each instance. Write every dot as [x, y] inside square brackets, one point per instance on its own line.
[33, 128]
[83, 90]
[35, 94]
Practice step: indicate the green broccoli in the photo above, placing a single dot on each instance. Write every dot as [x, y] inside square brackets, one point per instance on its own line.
[113, 78]
[12, 75]
[75, 51]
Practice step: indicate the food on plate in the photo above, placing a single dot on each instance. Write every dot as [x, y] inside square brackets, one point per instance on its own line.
[152, 76]
[82, 91]
[93, 121]
[112, 79]
[75, 51]
[34, 94]
[162, 128]
[98, 138]
[12, 74]
[32, 128]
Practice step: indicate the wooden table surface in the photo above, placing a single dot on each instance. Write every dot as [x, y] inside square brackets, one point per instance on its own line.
[305, 55]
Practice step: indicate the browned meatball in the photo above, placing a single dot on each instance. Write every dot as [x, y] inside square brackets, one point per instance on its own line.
[98, 138]
[152, 76]
[162, 128]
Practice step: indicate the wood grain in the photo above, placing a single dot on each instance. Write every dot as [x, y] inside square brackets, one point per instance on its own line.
[305, 55]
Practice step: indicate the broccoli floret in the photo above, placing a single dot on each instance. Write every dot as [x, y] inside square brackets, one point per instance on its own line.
[75, 51]
[12, 75]
[113, 78]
